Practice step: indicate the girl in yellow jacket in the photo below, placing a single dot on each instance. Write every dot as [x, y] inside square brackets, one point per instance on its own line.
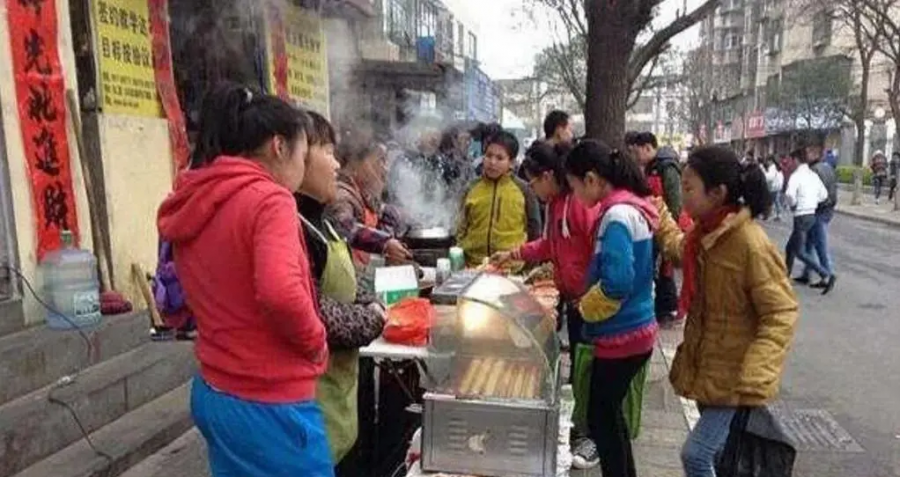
[499, 212]
[741, 310]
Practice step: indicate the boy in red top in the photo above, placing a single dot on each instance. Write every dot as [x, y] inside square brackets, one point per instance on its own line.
[241, 259]
[663, 171]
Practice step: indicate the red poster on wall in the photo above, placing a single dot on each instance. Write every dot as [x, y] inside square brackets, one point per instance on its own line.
[165, 83]
[279, 50]
[40, 94]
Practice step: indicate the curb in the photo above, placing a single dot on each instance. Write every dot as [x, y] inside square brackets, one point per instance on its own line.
[890, 222]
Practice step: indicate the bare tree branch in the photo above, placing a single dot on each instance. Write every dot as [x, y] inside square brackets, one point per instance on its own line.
[648, 81]
[643, 54]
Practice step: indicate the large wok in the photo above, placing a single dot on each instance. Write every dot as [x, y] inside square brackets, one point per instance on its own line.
[419, 238]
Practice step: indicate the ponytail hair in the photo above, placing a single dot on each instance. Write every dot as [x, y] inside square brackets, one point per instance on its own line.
[236, 121]
[613, 165]
[746, 184]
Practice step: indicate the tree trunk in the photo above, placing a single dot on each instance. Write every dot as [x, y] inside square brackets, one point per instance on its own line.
[610, 43]
[894, 99]
[859, 118]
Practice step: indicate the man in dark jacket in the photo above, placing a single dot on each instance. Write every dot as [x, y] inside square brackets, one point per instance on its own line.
[663, 172]
[817, 240]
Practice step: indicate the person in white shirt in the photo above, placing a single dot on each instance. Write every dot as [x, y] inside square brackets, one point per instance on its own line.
[775, 180]
[805, 191]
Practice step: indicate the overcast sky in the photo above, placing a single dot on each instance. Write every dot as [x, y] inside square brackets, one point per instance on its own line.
[508, 40]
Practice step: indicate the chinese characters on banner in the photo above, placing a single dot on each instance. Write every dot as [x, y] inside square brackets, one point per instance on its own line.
[299, 32]
[125, 57]
[40, 94]
[165, 80]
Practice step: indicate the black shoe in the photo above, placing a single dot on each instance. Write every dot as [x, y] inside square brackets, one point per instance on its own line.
[830, 285]
[821, 284]
[801, 280]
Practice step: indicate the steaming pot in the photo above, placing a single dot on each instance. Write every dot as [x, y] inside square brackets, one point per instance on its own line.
[427, 244]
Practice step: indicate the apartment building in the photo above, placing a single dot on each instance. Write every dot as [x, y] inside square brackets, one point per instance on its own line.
[761, 49]
[659, 110]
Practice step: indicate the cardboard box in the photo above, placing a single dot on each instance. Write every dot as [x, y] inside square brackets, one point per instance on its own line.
[393, 284]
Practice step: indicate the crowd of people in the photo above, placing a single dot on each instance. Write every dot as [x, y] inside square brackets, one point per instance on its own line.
[275, 222]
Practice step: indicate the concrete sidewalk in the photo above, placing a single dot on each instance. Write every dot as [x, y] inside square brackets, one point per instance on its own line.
[868, 210]
[666, 418]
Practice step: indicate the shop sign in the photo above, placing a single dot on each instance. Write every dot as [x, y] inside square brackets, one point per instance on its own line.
[40, 95]
[298, 56]
[756, 125]
[124, 46]
[722, 134]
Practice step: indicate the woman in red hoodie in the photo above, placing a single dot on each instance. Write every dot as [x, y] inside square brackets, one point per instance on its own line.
[233, 224]
[567, 242]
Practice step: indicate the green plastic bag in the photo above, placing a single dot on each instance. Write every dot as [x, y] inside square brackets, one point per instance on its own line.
[581, 387]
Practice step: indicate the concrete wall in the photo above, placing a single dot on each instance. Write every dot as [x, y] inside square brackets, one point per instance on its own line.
[18, 168]
[137, 174]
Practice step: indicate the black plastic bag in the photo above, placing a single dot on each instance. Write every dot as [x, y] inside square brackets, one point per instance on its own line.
[757, 446]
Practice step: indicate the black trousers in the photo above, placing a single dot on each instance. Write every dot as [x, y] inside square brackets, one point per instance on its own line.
[610, 379]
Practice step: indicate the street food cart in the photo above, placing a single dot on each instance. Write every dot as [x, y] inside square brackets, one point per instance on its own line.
[492, 404]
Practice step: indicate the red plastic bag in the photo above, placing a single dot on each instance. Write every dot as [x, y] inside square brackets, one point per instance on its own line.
[409, 321]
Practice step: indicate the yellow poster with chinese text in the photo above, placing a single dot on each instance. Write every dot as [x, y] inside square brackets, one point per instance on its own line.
[307, 58]
[124, 53]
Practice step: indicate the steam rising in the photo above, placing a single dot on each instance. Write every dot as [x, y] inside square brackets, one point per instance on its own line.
[425, 202]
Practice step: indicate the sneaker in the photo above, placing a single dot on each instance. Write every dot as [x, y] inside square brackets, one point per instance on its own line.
[585, 455]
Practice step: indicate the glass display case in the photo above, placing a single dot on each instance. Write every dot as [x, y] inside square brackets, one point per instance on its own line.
[501, 344]
[493, 370]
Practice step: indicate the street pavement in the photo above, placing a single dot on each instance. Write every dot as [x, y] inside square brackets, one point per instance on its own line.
[882, 212]
[841, 389]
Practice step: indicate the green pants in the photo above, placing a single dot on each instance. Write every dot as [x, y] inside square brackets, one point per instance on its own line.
[581, 387]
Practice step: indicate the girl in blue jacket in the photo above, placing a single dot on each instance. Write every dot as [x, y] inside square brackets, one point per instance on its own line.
[618, 307]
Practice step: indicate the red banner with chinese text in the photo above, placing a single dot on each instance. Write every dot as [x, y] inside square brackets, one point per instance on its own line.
[40, 94]
[165, 83]
[279, 50]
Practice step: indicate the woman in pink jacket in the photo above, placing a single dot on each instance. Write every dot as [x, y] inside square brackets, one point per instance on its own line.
[567, 242]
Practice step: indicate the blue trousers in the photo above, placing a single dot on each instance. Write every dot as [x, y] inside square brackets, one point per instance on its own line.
[246, 438]
[797, 245]
[706, 441]
[817, 241]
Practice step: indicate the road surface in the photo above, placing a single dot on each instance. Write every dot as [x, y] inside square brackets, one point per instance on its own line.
[845, 363]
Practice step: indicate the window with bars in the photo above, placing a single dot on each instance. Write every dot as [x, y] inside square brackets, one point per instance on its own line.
[399, 21]
[427, 20]
[821, 31]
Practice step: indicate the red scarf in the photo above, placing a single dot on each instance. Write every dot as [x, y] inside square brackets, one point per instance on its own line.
[692, 249]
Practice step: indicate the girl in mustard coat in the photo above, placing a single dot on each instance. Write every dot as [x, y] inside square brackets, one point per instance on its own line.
[741, 310]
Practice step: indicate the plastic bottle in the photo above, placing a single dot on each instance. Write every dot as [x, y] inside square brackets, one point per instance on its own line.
[71, 286]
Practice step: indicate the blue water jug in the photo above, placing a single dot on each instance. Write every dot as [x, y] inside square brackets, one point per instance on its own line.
[71, 286]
